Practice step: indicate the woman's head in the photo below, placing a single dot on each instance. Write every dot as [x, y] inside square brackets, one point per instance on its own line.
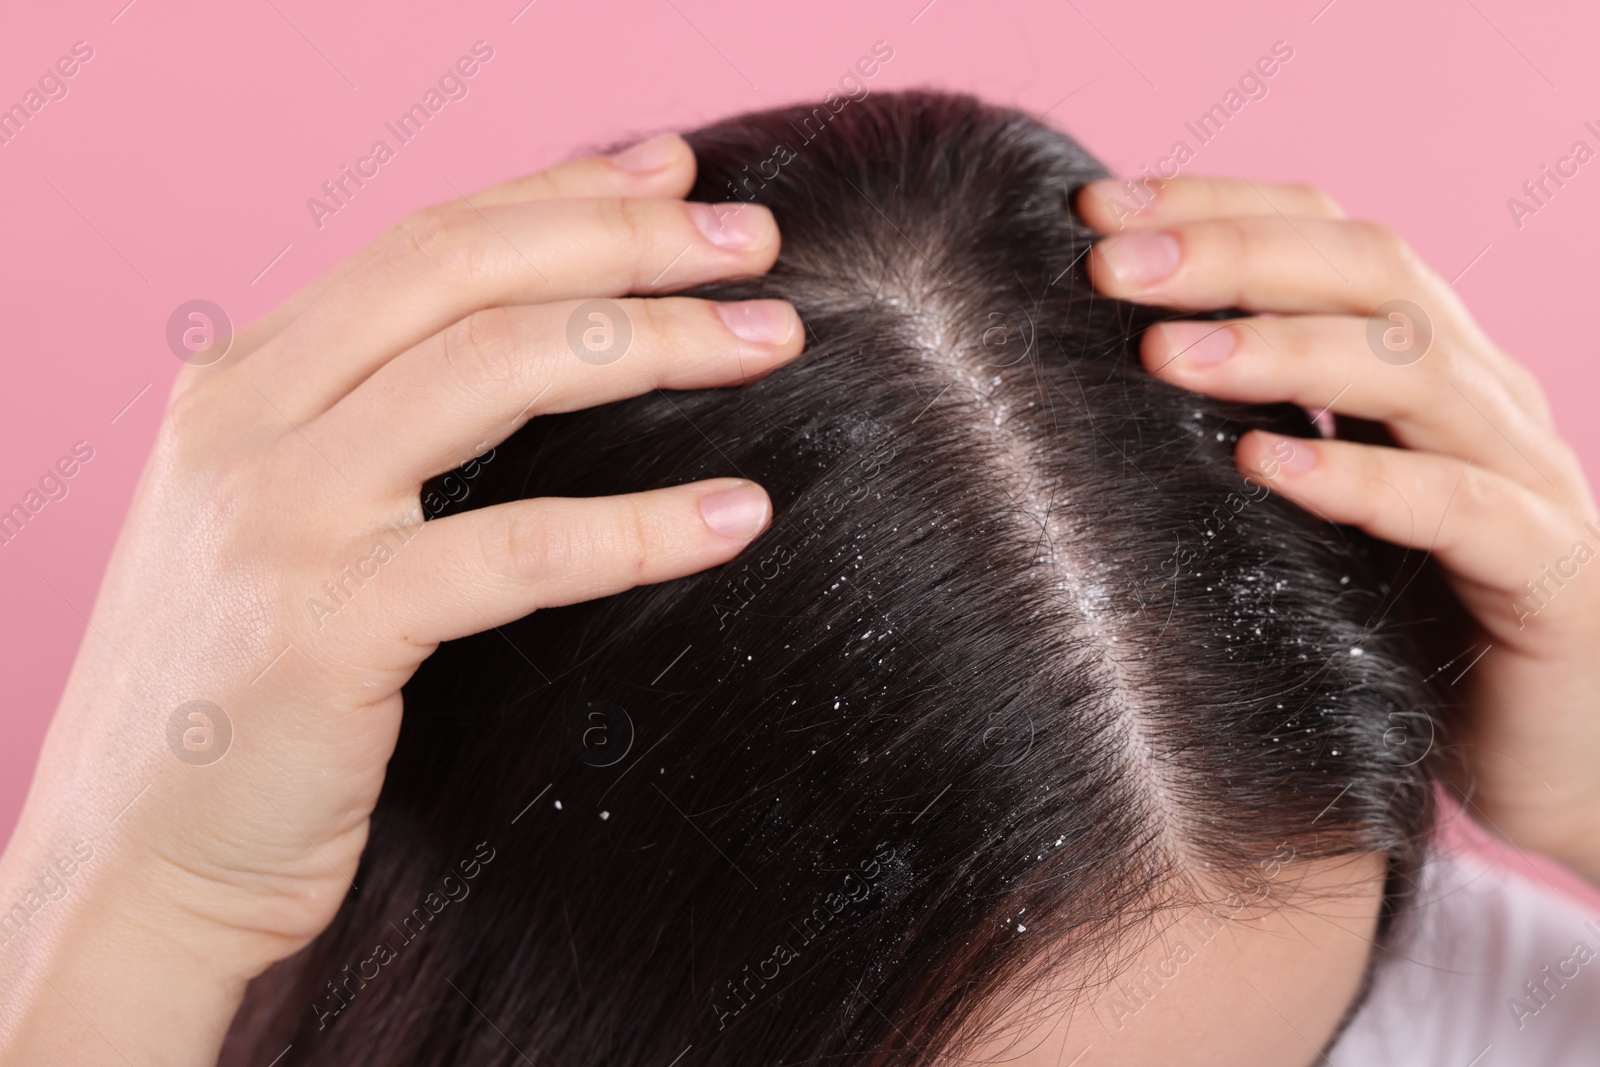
[1028, 724]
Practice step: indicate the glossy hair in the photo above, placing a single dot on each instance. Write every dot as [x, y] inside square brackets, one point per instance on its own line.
[1020, 654]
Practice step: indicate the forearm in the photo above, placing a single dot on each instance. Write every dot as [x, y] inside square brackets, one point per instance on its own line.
[1531, 777]
[107, 972]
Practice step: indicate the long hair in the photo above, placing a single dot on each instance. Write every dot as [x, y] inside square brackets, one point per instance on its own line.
[1019, 654]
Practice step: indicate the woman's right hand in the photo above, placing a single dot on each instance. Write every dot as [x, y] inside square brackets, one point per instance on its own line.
[1479, 477]
[275, 566]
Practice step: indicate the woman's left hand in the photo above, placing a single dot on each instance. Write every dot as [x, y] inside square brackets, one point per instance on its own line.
[1482, 479]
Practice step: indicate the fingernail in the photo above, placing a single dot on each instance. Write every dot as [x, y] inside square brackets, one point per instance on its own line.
[1291, 455]
[766, 322]
[651, 154]
[737, 226]
[738, 513]
[1139, 260]
[1198, 344]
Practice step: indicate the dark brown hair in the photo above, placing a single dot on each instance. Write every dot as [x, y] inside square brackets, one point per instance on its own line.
[1020, 652]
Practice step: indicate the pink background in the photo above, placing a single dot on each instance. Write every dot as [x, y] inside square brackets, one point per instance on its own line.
[179, 164]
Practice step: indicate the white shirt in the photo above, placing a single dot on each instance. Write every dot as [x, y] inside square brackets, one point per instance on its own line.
[1499, 966]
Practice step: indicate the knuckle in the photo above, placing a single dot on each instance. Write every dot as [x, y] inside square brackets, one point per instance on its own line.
[525, 547]
[1214, 196]
[1527, 388]
[204, 425]
[1478, 491]
[1321, 203]
[540, 185]
[440, 238]
[632, 222]
[481, 350]
[639, 539]
[188, 412]
[1233, 239]
[659, 321]
[1444, 364]
[1379, 236]
[421, 231]
[528, 547]
[1567, 464]
[1300, 342]
[1373, 471]
[1386, 245]
[1523, 380]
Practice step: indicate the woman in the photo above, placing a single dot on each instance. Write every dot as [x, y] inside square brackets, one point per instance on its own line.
[1020, 724]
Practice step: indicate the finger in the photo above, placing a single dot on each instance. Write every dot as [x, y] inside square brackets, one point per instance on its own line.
[443, 265]
[1445, 402]
[468, 572]
[1110, 204]
[1307, 266]
[476, 382]
[1482, 526]
[662, 166]
[1269, 264]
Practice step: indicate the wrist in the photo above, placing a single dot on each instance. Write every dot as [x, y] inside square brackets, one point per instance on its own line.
[106, 965]
[109, 992]
[1563, 825]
